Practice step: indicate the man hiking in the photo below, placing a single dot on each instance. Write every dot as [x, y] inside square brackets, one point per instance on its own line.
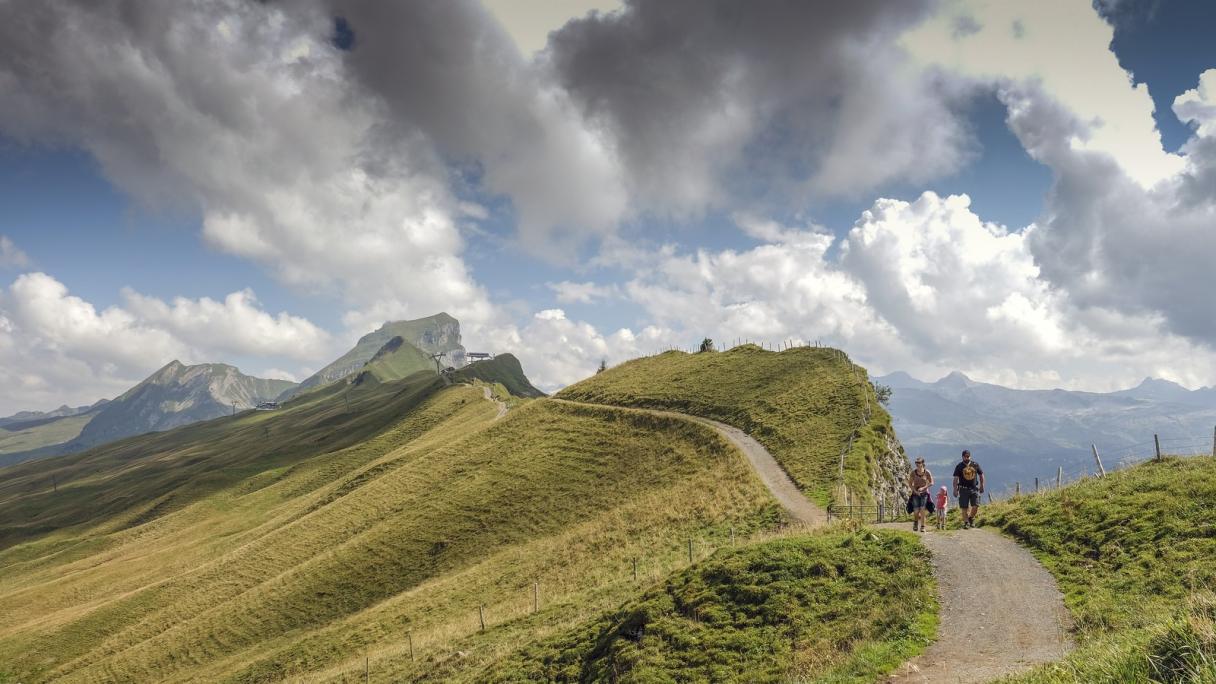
[968, 485]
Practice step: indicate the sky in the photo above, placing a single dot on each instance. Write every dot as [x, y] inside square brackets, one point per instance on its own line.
[1024, 192]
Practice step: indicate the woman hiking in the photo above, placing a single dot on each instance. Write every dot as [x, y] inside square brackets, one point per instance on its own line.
[920, 480]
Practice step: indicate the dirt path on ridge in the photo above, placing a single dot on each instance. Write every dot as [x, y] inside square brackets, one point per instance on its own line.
[1001, 611]
[775, 479]
[502, 406]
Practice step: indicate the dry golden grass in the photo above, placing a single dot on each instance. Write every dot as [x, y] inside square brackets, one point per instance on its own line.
[298, 570]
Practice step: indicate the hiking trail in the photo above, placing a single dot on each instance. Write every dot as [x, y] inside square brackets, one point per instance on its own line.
[1001, 611]
[502, 405]
[775, 479]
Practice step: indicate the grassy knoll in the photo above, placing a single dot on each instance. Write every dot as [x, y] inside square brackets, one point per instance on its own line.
[837, 606]
[36, 434]
[503, 369]
[802, 404]
[396, 360]
[1135, 555]
[299, 569]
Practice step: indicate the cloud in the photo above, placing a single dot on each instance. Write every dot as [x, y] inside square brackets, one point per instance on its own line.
[583, 293]
[1059, 50]
[710, 104]
[56, 347]
[234, 326]
[556, 351]
[10, 255]
[925, 286]
[248, 114]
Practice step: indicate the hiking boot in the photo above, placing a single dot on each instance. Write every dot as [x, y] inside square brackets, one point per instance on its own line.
[914, 524]
[966, 524]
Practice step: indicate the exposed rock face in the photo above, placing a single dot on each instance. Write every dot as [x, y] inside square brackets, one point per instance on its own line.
[433, 334]
[177, 395]
[890, 477]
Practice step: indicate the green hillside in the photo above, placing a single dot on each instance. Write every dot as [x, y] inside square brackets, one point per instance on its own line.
[807, 405]
[834, 606]
[41, 433]
[503, 369]
[140, 478]
[396, 360]
[1135, 555]
[302, 565]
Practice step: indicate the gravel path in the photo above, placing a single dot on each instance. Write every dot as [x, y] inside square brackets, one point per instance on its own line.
[796, 505]
[1001, 612]
[502, 406]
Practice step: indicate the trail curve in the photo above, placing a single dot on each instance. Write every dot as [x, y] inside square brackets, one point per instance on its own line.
[775, 479]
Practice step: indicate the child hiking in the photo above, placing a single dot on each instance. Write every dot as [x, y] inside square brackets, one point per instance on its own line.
[943, 501]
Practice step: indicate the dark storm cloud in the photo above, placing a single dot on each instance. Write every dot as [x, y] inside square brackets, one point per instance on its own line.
[705, 97]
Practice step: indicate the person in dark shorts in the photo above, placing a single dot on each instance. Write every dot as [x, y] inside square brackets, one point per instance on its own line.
[968, 485]
[919, 481]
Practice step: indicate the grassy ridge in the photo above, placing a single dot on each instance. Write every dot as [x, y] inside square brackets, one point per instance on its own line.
[802, 404]
[837, 606]
[1135, 555]
[146, 476]
[303, 567]
[42, 434]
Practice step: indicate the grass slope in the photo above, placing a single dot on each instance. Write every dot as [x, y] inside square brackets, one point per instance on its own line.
[503, 369]
[303, 566]
[397, 360]
[838, 606]
[1135, 555]
[137, 479]
[24, 437]
[802, 404]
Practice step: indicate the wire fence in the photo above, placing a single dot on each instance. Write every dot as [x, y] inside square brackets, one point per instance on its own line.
[1107, 461]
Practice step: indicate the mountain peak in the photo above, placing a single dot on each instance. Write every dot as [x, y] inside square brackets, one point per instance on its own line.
[1159, 383]
[956, 379]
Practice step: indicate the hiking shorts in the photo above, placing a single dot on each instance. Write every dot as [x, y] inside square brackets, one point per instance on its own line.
[920, 501]
[968, 497]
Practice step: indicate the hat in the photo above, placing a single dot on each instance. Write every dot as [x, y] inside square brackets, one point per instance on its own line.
[920, 459]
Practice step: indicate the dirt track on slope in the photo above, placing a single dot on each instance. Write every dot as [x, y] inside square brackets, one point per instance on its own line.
[502, 406]
[1001, 612]
[796, 505]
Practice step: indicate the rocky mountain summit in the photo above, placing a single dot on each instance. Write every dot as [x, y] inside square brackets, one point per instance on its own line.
[176, 395]
[431, 335]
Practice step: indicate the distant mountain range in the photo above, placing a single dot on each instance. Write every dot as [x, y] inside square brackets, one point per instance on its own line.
[1018, 435]
[178, 394]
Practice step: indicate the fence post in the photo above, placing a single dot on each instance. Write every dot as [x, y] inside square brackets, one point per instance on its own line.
[989, 497]
[829, 513]
[635, 569]
[1017, 489]
[732, 535]
[1214, 441]
[1098, 460]
[536, 597]
[880, 510]
[481, 615]
[690, 550]
[1157, 445]
[1059, 475]
[1036, 485]
[410, 636]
